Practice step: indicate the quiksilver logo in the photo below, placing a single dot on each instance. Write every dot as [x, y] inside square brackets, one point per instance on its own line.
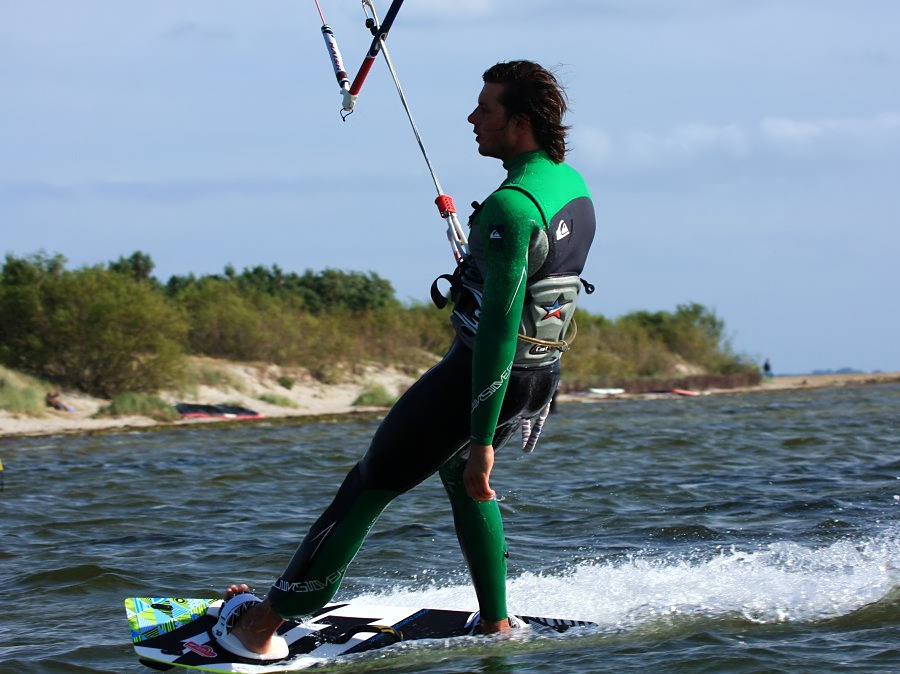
[562, 230]
[496, 234]
[314, 585]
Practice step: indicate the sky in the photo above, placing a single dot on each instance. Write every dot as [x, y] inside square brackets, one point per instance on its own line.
[742, 154]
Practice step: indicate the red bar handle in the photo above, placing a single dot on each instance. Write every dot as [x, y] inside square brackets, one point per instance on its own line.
[445, 205]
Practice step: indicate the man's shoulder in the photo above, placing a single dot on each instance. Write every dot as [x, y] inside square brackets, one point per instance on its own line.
[511, 196]
[545, 190]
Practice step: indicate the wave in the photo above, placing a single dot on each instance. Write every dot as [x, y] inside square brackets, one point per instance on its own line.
[855, 583]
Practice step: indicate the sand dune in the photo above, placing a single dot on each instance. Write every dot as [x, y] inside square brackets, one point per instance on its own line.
[247, 383]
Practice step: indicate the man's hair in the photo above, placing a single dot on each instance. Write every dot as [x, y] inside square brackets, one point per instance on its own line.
[534, 92]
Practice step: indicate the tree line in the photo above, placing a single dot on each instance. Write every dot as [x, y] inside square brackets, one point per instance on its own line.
[113, 328]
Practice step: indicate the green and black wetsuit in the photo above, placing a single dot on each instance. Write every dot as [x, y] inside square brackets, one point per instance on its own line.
[528, 245]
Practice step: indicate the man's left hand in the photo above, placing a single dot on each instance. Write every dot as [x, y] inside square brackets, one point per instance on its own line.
[477, 474]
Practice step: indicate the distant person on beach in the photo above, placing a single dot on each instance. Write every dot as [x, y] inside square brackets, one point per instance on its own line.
[767, 369]
[53, 400]
[513, 301]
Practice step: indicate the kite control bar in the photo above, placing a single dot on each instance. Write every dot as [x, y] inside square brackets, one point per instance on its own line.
[380, 33]
[455, 232]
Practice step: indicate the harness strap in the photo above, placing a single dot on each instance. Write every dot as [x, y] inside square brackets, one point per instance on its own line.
[562, 345]
[440, 300]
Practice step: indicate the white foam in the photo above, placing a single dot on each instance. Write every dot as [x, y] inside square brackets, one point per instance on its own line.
[778, 582]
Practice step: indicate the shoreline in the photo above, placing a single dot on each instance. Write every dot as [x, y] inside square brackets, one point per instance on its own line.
[312, 401]
[772, 385]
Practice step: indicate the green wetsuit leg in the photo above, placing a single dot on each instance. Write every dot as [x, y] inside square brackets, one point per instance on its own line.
[423, 430]
[479, 528]
[318, 566]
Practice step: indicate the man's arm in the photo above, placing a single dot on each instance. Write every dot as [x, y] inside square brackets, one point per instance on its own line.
[505, 226]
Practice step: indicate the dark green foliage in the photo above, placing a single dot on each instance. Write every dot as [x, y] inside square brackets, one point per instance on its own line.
[693, 331]
[644, 344]
[315, 292]
[100, 331]
[133, 404]
[139, 267]
[116, 329]
[351, 290]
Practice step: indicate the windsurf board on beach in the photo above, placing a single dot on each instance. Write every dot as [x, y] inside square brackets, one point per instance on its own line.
[172, 632]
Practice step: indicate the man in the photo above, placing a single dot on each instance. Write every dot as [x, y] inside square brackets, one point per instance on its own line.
[514, 297]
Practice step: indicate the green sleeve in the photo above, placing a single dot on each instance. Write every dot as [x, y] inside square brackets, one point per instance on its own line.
[505, 225]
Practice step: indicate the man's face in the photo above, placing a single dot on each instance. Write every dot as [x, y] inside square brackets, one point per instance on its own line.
[493, 129]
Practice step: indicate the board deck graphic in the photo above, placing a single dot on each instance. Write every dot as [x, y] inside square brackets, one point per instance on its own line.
[176, 632]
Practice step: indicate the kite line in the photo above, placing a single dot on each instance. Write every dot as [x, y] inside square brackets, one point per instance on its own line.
[350, 92]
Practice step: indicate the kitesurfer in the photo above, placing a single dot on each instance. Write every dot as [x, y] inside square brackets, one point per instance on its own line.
[514, 297]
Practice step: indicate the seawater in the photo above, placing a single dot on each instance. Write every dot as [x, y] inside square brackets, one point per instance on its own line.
[741, 533]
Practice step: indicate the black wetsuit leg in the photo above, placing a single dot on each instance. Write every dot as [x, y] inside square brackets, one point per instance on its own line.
[425, 428]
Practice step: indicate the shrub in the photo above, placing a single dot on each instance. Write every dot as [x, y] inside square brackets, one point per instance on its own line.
[275, 399]
[133, 404]
[101, 331]
[375, 396]
[116, 329]
[21, 395]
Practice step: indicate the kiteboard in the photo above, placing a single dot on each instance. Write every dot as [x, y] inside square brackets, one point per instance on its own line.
[172, 632]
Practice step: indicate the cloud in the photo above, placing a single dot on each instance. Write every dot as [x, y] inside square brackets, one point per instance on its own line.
[702, 145]
[685, 144]
[849, 133]
[594, 144]
[640, 151]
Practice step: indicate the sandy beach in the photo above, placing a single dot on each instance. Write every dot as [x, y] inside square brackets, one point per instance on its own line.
[247, 384]
[311, 398]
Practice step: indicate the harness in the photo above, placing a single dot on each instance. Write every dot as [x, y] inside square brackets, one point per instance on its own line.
[547, 327]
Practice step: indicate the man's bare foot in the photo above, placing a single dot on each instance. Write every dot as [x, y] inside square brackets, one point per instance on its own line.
[494, 627]
[256, 626]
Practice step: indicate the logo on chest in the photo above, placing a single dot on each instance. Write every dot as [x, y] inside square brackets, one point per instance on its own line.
[555, 309]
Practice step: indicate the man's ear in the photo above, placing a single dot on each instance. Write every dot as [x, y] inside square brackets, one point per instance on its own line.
[522, 120]
[523, 128]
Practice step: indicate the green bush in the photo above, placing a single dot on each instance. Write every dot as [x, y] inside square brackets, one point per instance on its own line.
[117, 329]
[133, 404]
[375, 396]
[103, 332]
[275, 399]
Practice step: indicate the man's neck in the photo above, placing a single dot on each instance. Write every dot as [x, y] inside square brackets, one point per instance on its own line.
[519, 158]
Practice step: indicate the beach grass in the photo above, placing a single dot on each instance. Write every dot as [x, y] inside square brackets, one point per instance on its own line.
[138, 404]
[200, 373]
[276, 399]
[21, 394]
[374, 395]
